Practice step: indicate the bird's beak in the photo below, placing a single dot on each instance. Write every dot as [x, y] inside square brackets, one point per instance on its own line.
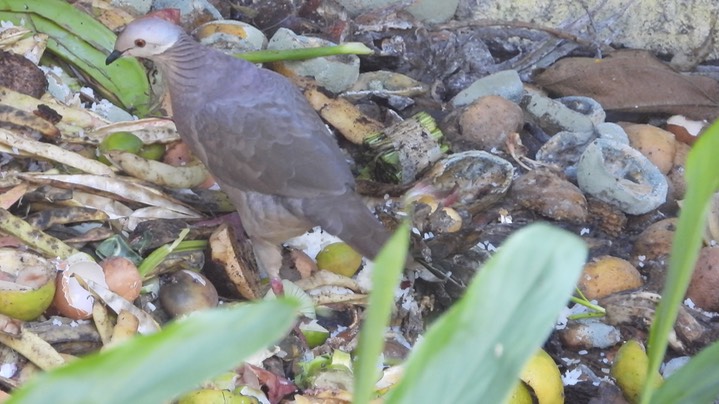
[113, 57]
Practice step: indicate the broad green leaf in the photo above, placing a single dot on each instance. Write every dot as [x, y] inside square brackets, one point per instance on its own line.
[158, 367]
[84, 42]
[474, 353]
[386, 275]
[702, 182]
[695, 382]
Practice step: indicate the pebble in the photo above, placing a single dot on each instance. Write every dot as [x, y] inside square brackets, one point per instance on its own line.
[479, 179]
[486, 122]
[589, 334]
[655, 242]
[654, 143]
[553, 116]
[230, 36]
[564, 150]
[705, 280]
[673, 365]
[608, 275]
[505, 83]
[335, 73]
[586, 106]
[551, 196]
[424, 10]
[677, 175]
[612, 131]
[619, 175]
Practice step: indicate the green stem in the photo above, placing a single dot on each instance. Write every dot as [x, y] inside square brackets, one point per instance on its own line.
[586, 303]
[157, 256]
[266, 56]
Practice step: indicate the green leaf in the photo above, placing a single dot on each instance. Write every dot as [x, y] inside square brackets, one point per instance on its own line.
[702, 182]
[474, 353]
[386, 275]
[695, 382]
[79, 39]
[158, 367]
[276, 55]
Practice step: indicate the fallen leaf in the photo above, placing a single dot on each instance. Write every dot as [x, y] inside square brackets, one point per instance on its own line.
[633, 82]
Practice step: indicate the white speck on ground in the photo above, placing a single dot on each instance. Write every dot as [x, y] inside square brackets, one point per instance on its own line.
[571, 377]
[8, 370]
[313, 241]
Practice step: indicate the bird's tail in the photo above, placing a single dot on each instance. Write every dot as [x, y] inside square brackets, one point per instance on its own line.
[347, 217]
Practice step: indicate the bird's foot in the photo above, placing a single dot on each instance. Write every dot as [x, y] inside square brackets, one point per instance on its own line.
[276, 285]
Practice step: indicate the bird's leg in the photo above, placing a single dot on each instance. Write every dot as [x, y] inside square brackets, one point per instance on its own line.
[269, 260]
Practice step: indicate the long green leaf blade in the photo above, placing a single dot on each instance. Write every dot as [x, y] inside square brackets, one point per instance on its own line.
[695, 382]
[156, 368]
[474, 353]
[702, 182]
[385, 279]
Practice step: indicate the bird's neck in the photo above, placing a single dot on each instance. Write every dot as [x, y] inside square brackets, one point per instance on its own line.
[182, 64]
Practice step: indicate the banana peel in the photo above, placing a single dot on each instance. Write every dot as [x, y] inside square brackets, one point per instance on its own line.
[159, 173]
[77, 38]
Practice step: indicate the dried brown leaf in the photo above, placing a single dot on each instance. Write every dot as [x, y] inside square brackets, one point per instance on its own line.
[633, 82]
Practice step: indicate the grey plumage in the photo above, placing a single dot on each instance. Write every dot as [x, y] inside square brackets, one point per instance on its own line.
[261, 140]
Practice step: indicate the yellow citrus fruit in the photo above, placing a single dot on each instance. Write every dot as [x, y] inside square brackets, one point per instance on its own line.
[28, 285]
[630, 370]
[542, 375]
[153, 151]
[339, 258]
[124, 141]
[520, 395]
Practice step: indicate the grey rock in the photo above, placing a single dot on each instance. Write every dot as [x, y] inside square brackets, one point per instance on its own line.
[506, 84]
[585, 106]
[553, 116]
[612, 131]
[425, 10]
[335, 73]
[621, 176]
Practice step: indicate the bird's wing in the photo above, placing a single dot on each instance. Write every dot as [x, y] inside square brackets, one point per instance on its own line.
[273, 144]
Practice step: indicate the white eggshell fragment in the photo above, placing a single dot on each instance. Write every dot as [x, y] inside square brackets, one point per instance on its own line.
[71, 299]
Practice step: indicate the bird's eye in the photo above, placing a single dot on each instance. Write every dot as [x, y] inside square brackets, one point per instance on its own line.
[140, 43]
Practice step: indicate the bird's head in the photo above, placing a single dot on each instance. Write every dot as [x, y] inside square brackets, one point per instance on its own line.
[145, 37]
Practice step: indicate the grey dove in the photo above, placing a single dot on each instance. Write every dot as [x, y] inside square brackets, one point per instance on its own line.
[266, 147]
